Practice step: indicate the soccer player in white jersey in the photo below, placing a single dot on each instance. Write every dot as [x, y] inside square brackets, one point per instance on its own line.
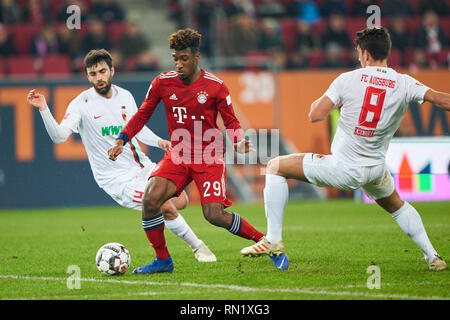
[99, 114]
[374, 100]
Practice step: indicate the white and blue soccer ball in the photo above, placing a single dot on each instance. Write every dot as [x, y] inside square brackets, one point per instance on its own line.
[113, 259]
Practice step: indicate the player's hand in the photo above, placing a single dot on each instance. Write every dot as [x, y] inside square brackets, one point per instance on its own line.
[244, 146]
[37, 100]
[165, 145]
[115, 150]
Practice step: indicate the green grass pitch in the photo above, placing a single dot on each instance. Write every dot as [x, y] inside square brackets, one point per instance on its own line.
[330, 245]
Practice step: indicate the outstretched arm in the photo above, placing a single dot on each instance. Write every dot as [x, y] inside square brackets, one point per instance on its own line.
[440, 99]
[148, 137]
[56, 132]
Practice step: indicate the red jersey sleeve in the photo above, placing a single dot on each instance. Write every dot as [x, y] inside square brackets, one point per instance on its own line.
[141, 117]
[225, 108]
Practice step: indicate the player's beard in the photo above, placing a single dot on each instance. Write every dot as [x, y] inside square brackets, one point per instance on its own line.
[104, 90]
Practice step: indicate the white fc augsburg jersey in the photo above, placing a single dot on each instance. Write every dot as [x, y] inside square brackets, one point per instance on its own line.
[99, 121]
[374, 101]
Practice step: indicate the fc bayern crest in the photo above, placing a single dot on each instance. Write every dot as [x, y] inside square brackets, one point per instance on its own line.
[202, 96]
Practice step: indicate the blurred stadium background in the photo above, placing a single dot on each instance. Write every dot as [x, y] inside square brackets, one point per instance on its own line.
[276, 57]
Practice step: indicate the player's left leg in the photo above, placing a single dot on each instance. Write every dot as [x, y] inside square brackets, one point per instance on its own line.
[407, 217]
[411, 223]
[210, 180]
[214, 213]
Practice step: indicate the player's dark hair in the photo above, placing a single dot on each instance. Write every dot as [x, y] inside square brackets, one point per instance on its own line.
[376, 40]
[184, 39]
[95, 56]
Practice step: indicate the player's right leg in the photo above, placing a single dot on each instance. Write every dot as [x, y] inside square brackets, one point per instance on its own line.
[276, 194]
[410, 222]
[158, 191]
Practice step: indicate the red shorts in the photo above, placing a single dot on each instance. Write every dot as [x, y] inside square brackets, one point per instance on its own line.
[209, 178]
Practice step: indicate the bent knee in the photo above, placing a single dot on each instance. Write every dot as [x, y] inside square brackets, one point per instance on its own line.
[152, 200]
[186, 199]
[169, 211]
[182, 201]
[273, 166]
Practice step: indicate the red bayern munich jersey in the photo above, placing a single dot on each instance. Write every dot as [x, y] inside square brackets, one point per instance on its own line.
[193, 107]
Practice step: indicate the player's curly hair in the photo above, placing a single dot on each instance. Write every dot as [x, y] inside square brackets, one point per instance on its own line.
[185, 38]
[376, 40]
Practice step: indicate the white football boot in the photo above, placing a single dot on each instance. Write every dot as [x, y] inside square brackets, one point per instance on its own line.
[264, 248]
[203, 254]
[438, 264]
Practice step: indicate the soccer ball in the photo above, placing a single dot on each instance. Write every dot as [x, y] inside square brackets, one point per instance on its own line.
[113, 259]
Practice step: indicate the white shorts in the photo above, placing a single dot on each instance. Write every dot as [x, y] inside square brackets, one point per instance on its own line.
[133, 189]
[328, 171]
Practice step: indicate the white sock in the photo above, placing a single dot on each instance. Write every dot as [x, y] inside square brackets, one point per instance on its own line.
[410, 222]
[276, 194]
[182, 230]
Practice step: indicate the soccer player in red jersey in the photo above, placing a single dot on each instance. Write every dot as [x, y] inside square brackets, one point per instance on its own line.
[193, 98]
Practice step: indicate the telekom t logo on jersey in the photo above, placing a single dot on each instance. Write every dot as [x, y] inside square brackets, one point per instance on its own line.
[179, 113]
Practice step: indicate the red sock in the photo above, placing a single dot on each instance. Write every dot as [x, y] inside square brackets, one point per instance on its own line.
[243, 229]
[249, 232]
[154, 229]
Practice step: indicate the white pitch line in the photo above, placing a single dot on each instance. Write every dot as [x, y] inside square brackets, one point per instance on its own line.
[383, 284]
[236, 287]
[87, 296]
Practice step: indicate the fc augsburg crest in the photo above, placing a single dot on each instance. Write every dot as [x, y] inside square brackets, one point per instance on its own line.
[124, 113]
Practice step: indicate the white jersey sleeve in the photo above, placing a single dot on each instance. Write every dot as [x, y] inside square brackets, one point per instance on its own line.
[415, 91]
[72, 117]
[148, 137]
[337, 88]
[70, 123]
[57, 133]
